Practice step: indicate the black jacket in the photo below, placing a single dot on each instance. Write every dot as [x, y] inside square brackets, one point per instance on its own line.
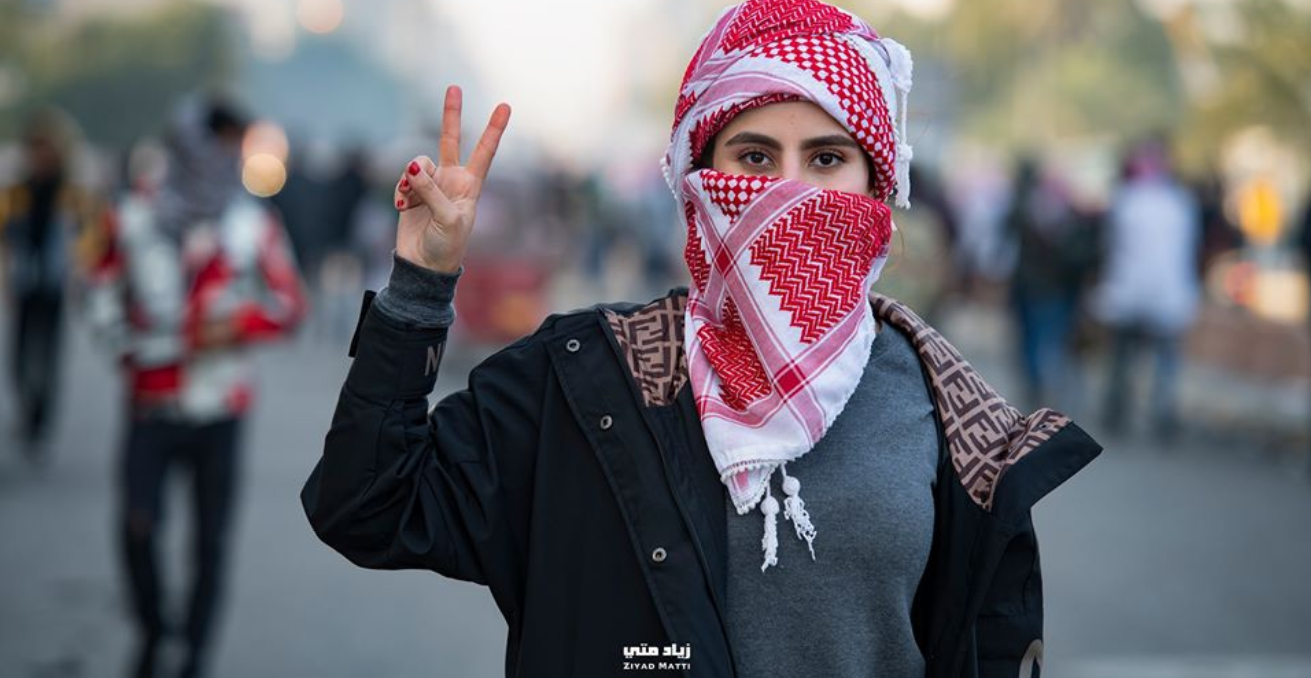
[544, 481]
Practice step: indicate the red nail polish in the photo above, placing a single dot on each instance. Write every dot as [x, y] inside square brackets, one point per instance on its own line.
[405, 184]
[400, 203]
[413, 168]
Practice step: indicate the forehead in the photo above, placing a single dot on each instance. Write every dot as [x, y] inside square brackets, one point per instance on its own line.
[785, 120]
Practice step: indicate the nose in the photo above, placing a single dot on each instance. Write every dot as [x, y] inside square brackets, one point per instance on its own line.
[791, 169]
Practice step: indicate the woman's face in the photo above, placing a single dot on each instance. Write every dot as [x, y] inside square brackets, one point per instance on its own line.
[793, 140]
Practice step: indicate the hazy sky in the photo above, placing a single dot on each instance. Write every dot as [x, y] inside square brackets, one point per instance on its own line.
[583, 75]
[574, 67]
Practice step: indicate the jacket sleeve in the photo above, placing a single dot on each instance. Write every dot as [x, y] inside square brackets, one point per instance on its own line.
[1008, 631]
[449, 490]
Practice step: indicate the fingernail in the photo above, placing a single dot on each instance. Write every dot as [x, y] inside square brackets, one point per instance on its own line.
[413, 168]
[405, 183]
[400, 202]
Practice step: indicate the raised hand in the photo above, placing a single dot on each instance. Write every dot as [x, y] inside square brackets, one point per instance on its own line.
[438, 202]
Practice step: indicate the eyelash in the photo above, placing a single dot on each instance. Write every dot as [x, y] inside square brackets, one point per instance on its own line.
[751, 152]
[839, 158]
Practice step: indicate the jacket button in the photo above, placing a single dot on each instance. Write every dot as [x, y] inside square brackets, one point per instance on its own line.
[572, 345]
[658, 555]
[607, 422]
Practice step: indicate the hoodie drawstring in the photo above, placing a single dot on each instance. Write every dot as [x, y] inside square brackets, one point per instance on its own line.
[794, 510]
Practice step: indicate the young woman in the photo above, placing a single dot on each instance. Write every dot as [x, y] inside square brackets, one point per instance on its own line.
[601, 475]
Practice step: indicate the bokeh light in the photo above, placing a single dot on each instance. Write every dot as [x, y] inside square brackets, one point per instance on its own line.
[320, 16]
[263, 175]
[265, 137]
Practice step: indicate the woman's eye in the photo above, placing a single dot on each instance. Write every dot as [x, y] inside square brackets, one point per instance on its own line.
[828, 160]
[755, 158]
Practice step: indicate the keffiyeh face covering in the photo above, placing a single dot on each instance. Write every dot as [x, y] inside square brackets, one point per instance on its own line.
[778, 326]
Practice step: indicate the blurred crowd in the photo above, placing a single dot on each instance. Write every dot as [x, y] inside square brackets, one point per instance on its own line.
[1135, 267]
[1124, 269]
[180, 255]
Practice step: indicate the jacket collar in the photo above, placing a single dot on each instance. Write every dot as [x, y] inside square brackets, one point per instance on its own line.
[987, 437]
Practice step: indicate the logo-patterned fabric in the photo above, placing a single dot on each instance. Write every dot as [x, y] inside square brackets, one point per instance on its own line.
[817, 256]
[985, 435]
[651, 340]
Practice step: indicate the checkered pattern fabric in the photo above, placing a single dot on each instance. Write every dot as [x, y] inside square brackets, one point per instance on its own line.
[764, 51]
[776, 329]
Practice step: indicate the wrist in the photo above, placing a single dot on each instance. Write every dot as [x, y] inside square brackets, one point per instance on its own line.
[418, 296]
[448, 266]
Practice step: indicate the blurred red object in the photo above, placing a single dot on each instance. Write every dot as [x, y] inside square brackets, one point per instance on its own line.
[500, 299]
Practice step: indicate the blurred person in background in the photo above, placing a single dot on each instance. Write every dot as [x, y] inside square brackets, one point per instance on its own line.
[1304, 248]
[931, 197]
[301, 205]
[1149, 289]
[602, 475]
[1219, 234]
[930, 237]
[1053, 265]
[41, 218]
[983, 258]
[339, 269]
[604, 230]
[1304, 244]
[655, 218]
[192, 274]
[373, 234]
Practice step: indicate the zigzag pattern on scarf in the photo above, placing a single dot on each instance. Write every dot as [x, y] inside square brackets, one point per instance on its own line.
[818, 270]
[731, 354]
[694, 251]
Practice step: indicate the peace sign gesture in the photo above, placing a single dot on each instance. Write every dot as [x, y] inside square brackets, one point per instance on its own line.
[438, 202]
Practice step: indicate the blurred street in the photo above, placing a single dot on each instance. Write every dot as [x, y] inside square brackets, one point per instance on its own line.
[1110, 216]
[1186, 562]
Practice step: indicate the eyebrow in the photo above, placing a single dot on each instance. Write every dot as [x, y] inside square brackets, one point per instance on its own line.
[769, 142]
[753, 138]
[830, 140]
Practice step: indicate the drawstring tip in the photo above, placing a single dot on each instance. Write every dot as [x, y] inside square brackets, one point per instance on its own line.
[794, 509]
[770, 542]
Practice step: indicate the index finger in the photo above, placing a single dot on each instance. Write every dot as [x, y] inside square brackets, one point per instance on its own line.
[448, 150]
[481, 160]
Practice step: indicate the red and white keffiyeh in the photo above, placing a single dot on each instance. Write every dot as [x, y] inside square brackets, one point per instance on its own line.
[778, 328]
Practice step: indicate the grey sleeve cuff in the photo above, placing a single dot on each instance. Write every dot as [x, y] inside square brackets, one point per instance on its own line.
[417, 297]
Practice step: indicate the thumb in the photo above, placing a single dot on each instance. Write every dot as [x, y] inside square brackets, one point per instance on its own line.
[443, 210]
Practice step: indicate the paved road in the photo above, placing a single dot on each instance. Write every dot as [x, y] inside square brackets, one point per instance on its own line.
[1157, 563]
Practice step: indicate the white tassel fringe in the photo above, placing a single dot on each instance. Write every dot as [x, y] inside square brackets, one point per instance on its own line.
[794, 508]
[769, 506]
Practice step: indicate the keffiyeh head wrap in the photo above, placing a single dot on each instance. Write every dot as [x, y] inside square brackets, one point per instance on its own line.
[764, 51]
[778, 327]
